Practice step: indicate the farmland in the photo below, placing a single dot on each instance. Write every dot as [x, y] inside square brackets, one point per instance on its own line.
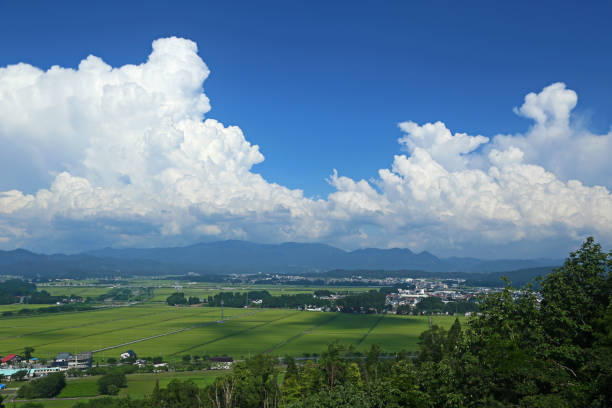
[164, 288]
[170, 332]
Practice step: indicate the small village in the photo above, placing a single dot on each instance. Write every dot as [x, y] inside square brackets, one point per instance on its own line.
[14, 367]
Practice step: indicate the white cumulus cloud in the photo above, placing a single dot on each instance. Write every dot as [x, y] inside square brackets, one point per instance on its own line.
[127, 156]
[554, 142]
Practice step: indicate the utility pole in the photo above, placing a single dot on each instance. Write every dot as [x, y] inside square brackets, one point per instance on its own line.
[221, 309]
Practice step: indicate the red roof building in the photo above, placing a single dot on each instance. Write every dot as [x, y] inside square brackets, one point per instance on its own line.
[10, 357]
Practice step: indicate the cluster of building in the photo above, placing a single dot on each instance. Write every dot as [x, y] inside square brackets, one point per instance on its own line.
[447, 291]
[13, 365]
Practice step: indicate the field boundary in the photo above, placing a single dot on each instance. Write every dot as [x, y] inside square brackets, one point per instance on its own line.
[300, 334]
[118, 329]
[365, 336]
[172, 332]
[234, 334]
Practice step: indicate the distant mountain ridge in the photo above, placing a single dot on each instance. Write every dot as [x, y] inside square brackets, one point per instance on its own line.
[234, 256]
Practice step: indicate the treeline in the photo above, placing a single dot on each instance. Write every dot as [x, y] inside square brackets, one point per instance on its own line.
[11, 290]
[126, 294]
[19, 291]
[69, 307]
[367, 302]
[180, 299]
[45, 387]
[520, 351]
[372, 301]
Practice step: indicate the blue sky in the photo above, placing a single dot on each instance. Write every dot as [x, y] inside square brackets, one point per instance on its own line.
[320, 86]
[331, 80]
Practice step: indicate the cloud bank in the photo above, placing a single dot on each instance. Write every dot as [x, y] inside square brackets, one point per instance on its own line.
[126, 157]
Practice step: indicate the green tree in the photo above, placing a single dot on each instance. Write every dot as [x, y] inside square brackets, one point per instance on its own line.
[576, 317]
[111, 382]
[176, 299]
[311, 377]
[181, 394]
[429, 305]
[373, 362]
[74, 372]
[575, 297]
[432, 344]
[292, 369]
[45, 387]
[253, 383]
[20, 375]
[291, 391]
[27, 353]
[333, 363]
[353, 375]
[454, 336]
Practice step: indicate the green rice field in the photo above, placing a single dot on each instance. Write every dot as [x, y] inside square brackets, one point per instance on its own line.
[197, 331]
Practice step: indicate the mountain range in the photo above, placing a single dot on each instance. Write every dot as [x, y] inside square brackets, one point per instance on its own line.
[235, 256]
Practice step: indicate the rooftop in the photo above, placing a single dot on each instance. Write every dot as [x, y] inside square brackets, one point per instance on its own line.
[8, 357]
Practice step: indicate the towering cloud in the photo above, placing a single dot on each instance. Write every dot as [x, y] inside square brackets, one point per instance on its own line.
[126, 156]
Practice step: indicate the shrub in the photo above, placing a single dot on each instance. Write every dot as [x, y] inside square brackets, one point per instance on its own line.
[74, 372]
[110, 382]
[176, 299]
[45, 387]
